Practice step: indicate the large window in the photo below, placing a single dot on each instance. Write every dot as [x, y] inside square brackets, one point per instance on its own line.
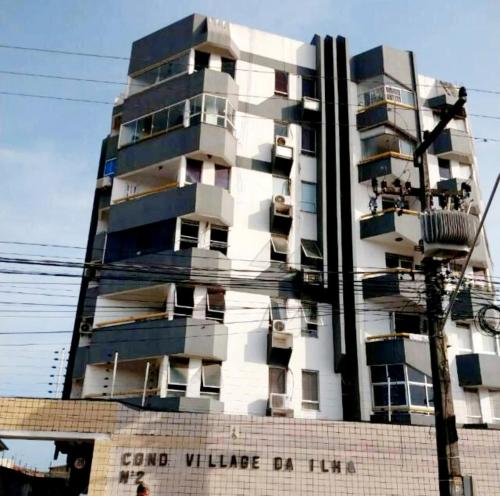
[310, 319]
[189, 234]
[397, 386]
[308, 140]
[177, 376]
[205, 108]
[385, 144]
[218, 238]
[215, 305]
[211, 379]
[222, 176]
[184, 301]
[193, 171]
[163, 72]
[281, 83]
[310, 390]
[308, 201]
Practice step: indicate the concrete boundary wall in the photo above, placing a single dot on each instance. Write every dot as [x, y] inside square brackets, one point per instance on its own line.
[198, 454]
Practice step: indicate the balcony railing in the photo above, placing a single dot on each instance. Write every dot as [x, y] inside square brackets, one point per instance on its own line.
[152, 191]
[386, 93]
[132, 318]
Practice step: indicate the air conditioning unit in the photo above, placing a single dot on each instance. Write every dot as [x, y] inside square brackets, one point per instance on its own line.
[282, 200]
[282, 141]
[310, 104]
[279, 326]
[278, 401]
[310, 276]
[282, 205]
[86, 326]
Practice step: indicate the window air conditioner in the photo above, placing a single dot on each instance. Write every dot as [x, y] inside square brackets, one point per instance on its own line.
[282, 141]
[86, 326]
[279, 326]
[278, 401]
[104, 182]
[282, 200]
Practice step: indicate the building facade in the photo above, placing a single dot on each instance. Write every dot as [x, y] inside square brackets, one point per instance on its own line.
[255, 243]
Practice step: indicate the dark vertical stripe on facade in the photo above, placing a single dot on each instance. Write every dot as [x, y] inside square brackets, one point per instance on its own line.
[332, 225]
[82, 297]
[350, 374]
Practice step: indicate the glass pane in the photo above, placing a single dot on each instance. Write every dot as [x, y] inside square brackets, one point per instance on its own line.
[281, 186]
[281, 82]
[398, 394]
[179, 371]
[218, 233]
[160, 121]
[184, 297]
[407, 322]
[222, 176]
[193, 171]
[308, 87]
[380, 395]
[277, 380]
[311, 249]
[309, 386]
[308, 140]
[144, 126]
[379, 373]
[211, 375]
[417, 395]
[430, 395]
[215, 300]
[146, 78]
[308, 203]
[176, 115]
[279, 244]
[228, 66]
[396, 372]
[280, 129]
[415, 376]
[195, 104]
[278, 309]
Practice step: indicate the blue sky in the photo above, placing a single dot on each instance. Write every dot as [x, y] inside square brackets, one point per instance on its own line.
[49, 149]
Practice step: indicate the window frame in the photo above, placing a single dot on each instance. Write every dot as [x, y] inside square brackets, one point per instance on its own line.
[277, 90]
[191, 240]
[210, 390]
[313, 209]
[311, 152]
[212, 311]
[308, 404]
[176, 304]
[214, 245]
[309, 327]
[178, 389]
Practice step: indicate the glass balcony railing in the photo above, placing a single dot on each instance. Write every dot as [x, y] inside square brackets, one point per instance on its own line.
[385, 144]
[386, 93]
[201, 108]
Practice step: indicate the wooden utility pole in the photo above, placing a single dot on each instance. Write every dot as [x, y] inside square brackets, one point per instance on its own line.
[450, 478]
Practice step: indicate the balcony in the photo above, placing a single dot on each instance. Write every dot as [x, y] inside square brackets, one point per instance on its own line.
[444, 102]
[403, 286]
[198, 141]
[388, 227]
[479, 370]
[452, 144]
[386, 113]
[469, 301]
[153, 336]
[279, 347]
[388, 166]
[196, 201]
[281, 215]
[387, 144]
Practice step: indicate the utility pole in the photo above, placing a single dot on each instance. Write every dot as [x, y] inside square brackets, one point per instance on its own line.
[450, 478]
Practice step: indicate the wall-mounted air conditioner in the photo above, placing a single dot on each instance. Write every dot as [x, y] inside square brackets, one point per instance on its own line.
[86, 326]
[279, 326]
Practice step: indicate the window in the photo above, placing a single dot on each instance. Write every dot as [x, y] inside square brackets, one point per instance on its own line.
[395, 261]
[218, 238]
[222, 175]
[281, 83]
[281, 186]
[277, 309]
[277, 380]
[215, 305]
[280, 129]
[193, 171]
[228, 66]
[167, 70]
[389, 93]
[308, 202]
[177, 376]
[308, 140]
[412, 323]
[384, 144]
[399, 385]
[210, 379]
[309, 88]
[189, 234]
[184, 301]
[310, 390]
[279, 248]
[201, 60]
[110, 167]
[479, 276]
[311, 253]
[464, 337]
[444, 168]
[487, 344]
[472, 406]
[495, 406]
[310, 320]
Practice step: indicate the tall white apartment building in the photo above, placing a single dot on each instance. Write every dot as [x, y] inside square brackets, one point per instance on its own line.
[255, 242]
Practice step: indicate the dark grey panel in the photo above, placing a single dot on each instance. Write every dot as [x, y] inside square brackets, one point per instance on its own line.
[402, 119]
[104, 197]
[479, 370]
[154, 338]
[203, 200]
[380, 286]
[462, 306]
[183, 404]
[378, 224]
[98, 246]
[379, 168]
[178, 89]
[111, 149]
[167, 42]
[201, 139]
[454, 144]
[193, 264]
[403, 418]
[279, 109]
[81, 360]
[400, 350]
[279, 65]
[253, 164]
[384, 60]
